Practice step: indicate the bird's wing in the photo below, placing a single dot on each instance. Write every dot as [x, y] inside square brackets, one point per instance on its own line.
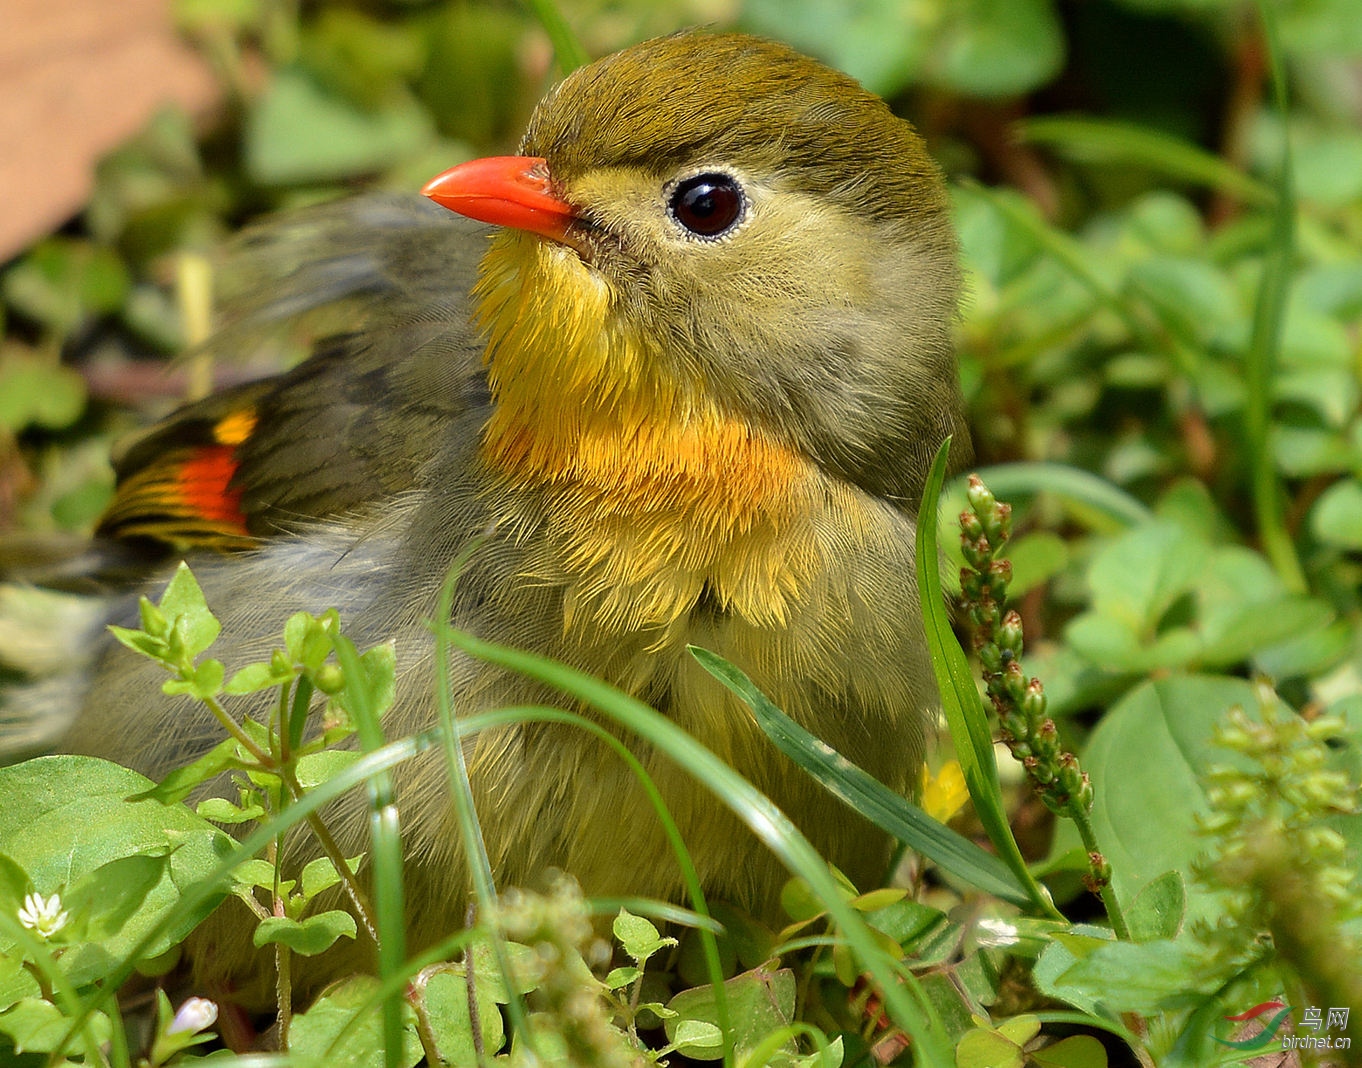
[354, 422]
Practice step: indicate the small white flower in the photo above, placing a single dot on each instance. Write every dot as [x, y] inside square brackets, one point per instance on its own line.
[193, 1016]
[43, 917]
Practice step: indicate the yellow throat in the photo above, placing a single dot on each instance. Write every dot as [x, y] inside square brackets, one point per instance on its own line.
[657, 492]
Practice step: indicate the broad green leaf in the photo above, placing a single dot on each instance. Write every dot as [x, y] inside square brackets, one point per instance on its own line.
[1336, 518]
[998, 47]
[299, 132]
[988, 1049]
[62, 817]
[1140, 977]
[446, 999]
[183, 604]
[1158, 908]
[314, 1036]
[1076, 1051]
[181, 782]
[38, 1026]
[103, 900]
[759, 1001]
[1155, 745]
[308, 937]
[1135, 578]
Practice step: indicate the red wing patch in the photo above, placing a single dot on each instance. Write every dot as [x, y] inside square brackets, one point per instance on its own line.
[185, 496]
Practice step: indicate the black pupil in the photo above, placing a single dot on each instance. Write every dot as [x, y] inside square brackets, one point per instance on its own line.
[707, 204]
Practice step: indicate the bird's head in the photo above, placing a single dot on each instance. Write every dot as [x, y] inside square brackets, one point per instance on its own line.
[713, 225]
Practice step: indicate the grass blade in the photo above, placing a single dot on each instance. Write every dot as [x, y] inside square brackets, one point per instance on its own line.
[1269, 312]
[903, 997]
[1089, 494]
[867, 795]
[1107, 141]
[959, 695]
[389, 891]
[567, 50]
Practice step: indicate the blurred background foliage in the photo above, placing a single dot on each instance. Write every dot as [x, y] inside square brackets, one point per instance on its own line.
[1118, 168]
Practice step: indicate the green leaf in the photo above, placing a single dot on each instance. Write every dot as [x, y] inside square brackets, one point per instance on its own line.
[1091, 497]
[1114, 645]
[1336, 518]
[308, 937]
[139, 642]
[183, 604]
[998, 47]
[38, 392]
[378, 678]
[622, 977]
[446, 1001]
[15, 885]
[1094, 140]
[1140, 977]
[181, 782]
[38, 1026]
[321, 874]
[309, 639]
[698, 1039]
[527, 969]
[61, 280]
[102, 901]
[638, 936]
[62, 817]
[1020, 1029]
[759, 1001]
[299, 132]
[988, 1049]
[1063, 950]
[959, 695]
[880, 43]
[1135, 578]
[256, 677]
[1158, 908]
[204, 682]
[1076, 1051]
[1157, 744]
[1036, 558]
[1191, 296]
[220, 810]
[316, 768]
[313, 1035]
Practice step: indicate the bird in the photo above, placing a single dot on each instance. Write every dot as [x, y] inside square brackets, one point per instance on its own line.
[671, 375]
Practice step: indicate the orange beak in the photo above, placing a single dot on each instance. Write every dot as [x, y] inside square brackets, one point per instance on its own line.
[510, 191]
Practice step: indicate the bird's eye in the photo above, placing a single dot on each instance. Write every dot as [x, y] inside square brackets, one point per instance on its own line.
[708, 205]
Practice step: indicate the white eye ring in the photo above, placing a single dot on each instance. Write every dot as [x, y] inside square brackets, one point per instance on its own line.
[708, 205]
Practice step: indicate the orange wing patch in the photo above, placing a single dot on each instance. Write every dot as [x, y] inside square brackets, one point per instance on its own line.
[185, 497]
